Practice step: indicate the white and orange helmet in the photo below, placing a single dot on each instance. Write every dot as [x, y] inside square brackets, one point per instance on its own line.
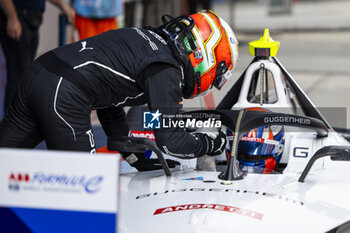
[210, 44]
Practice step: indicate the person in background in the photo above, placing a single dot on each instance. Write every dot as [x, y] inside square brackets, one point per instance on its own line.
[192, 5]
[94, 17]
[19, 36]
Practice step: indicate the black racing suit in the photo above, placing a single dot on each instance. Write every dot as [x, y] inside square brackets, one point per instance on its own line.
[118, 68]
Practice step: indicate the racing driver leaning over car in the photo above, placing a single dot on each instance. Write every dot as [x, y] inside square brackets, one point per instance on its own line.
[183, 58]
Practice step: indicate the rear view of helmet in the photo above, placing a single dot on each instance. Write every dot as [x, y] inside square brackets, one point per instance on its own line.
[211, 46]
[261, 147]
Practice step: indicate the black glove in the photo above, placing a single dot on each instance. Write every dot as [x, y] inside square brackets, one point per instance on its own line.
[141, 163]
[216, 146]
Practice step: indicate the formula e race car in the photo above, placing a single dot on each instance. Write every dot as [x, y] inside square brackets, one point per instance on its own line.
[306, 189]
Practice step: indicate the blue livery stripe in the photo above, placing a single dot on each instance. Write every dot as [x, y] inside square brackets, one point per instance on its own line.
[29, 220]
[10, 222]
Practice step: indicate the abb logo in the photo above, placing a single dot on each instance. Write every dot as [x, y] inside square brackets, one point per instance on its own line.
[19, 177]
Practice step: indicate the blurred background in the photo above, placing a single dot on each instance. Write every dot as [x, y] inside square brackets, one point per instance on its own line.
[314, 36]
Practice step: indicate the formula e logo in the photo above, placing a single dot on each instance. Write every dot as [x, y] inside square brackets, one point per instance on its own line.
[51, 182]
[151, 120]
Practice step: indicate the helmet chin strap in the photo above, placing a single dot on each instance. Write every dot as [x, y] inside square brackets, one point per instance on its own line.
[197, 79]
[191, 79]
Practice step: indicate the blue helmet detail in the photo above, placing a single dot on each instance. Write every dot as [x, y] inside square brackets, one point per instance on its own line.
[260, 147]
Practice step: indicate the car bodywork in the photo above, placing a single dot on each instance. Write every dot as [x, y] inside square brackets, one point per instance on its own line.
[308, 194]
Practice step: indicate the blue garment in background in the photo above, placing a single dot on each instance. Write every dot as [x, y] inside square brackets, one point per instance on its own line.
[98, 9]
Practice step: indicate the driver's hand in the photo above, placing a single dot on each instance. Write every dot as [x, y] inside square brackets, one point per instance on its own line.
[217, 145]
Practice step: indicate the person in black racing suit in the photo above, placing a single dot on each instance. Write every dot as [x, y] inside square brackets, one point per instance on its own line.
[118, 68]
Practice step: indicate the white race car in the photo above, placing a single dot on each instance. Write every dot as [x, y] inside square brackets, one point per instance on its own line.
[309, 193]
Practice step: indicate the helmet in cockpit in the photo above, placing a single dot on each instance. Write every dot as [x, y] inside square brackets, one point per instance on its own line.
[260, 147]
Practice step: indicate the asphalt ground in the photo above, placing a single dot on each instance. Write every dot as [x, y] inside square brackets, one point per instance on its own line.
[303, 15]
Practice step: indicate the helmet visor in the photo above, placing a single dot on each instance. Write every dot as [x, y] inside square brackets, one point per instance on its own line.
[186, 43]
[180, 33]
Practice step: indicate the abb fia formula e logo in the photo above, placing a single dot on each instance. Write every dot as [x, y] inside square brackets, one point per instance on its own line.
[51, 182]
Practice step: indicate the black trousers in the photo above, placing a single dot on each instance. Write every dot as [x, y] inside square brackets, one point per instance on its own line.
[130, 14]
[47, 107]
[19, 54]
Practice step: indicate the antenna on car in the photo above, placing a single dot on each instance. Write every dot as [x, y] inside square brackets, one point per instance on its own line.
[233, 171]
